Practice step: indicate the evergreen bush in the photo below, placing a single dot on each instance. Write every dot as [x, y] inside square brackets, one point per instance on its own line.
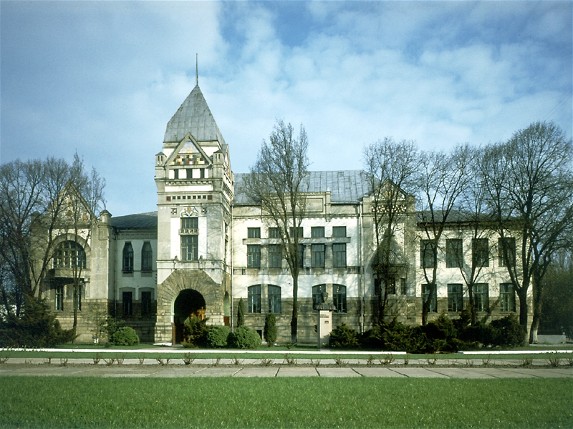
[241, 313]
[217, 336]
[195, 332]
[244, 338]
[125, 336]
[270, 329]
[507, 331]
[343, 337]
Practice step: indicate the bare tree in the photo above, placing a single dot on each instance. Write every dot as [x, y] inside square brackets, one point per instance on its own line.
[392, 168]
[442, 180]
[277, 183]
[530, 181]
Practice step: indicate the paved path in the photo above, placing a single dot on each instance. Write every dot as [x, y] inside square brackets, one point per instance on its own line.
[197, 370]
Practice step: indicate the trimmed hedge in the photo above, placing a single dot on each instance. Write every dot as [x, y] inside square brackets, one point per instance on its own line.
[244, 338]
[124, 336]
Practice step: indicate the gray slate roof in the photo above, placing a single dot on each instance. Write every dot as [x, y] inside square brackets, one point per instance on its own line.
[346, 186]
[194, 117]
[135, 221]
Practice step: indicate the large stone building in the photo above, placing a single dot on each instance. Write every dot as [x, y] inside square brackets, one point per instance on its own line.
[207, 247]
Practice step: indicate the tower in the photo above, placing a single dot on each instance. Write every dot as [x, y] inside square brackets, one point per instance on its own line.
[194, 194]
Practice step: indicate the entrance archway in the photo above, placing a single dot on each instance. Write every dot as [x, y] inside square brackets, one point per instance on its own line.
[189, 302]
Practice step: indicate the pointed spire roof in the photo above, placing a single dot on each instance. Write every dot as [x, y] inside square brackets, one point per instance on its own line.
[194, 117]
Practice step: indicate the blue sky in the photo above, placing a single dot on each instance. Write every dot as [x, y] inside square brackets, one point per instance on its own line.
[103, 78]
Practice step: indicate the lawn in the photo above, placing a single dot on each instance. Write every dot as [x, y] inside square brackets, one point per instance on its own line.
[34, 402]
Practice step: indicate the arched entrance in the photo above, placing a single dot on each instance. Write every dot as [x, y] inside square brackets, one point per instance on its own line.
[189, 302]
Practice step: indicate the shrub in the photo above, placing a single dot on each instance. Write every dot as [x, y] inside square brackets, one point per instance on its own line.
[244, 338]
[343, 337]
[195, 332]
[270, 329]
[124, 336]
[507, 331]
[217, 336]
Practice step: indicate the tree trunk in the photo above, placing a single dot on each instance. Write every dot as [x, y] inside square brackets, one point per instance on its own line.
[537, 306]
[294, 319]
[523, 307]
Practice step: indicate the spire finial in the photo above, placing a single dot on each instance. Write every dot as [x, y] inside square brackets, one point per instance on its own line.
[197, 69]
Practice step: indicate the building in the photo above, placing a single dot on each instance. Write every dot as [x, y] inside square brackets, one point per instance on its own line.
[207, 247]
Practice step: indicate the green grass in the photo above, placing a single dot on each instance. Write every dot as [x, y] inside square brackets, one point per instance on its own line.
[34, 402]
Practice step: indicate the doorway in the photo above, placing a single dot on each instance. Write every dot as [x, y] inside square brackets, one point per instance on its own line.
[189, 302]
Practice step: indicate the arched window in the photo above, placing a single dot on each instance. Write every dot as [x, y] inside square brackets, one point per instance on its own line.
[69, 254]
[146, 257]
[127, 266]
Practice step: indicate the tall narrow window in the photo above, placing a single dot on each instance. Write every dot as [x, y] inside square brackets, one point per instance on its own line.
[127, 266]
[318, 253]
[254, 299]
[127, 303]
[506, 297]
[455, 297]
[481, 297]
[318, 296]
[146, 257]
[253, 256]
[60, 297]
[339, 298]
[454, 253]
[428, 253]
[506, 250]
[480, 252]
[339, 255]
[274, 299]
[426, 290]
[189, 238]
[403, 287]
[146, 303]
[275, 253]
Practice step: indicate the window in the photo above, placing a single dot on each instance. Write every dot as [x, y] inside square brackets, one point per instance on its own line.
[506, 297]
[60, 297]
[433, 308]
[189, 247]
[339, 231]
[403, 287]
[127, 303]
[428, 253]
[339, 255]
[506, 249]
[480, 252]
[254, 299]
[69, 254]
[190, 225]
[253, 256]
[339, 298]
[481, 297]
[454, 253]
[318, 296]
[455, 298]
[296, 232]
[127, 266]
[274, 232]
[146, 257]
[275, 256]
[317, 232]
[254, 232]
[274, 299]
[318, 252]
[146, 303]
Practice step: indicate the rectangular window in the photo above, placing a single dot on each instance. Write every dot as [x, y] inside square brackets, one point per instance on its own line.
[339, 231]
[506, 297]
[60, 297]
[428, 253]
[253, 256]
[254, 232]
[127, 303]
[254, 299]
[297, 232]
[455, 298]
[317, 232]
[274, 299]
[318, 296]
[433, 300]
[189, 225]
[339, 255]
[274, 232]
[318, 253]
[146, 303]
[275, 252]
[480, 252]
[189, 247]
[506, 250]
[481, 297]
[403, 287]
[339, 298]
[454, 253]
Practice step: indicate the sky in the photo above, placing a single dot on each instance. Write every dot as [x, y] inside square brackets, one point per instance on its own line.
[102, 79]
